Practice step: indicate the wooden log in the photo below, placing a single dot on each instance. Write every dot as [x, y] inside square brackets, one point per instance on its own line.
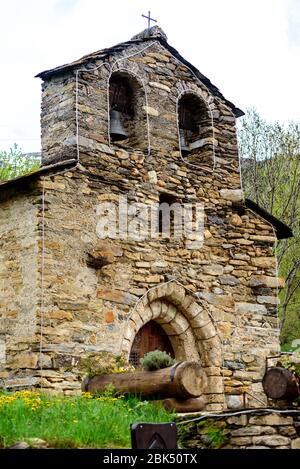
[183, 380]
[280, 383]
[188, 405]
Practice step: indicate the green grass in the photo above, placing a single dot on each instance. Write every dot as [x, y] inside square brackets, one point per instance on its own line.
[74, 422]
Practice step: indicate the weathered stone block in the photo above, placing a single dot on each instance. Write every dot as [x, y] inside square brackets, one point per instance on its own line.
[151, 111]
[122, 154]
[234, 195]
[24, 360]
[295, 444]
[168, 313]
[59, 315]
[159, 85]
[205, 332]
[159, 266]
[213, 269]
[287, 431]
[217, 299]
[253, 430]
[258, 447]
[2, 352]
[116, 296]
[228, 280]
[234, 402]
[215, 385]
[271, 440]
[155, 308]
[264, 239]
[177, 294]
[270, 300]
[53, 185]
[241, 441]
[109, 317]
[236, 220]
[266, 281]
[21, 383]
[272, 419]
[250, 308]
[244, 241]
[214, 407]
[147, 278]
[248, 358]
[194, 309]
[264, 262]
[152, 177]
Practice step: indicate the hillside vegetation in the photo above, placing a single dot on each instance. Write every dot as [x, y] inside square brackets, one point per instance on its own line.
[270, 159]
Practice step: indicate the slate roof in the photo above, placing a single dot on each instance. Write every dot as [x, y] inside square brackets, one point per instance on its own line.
[61, 165]
[282, 230]
[154, 33]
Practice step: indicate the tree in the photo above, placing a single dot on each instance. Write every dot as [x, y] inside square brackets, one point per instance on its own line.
[14, 163]
[270, 157]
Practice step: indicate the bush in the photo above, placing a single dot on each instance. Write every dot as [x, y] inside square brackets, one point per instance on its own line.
[291, 363]
[156, 360]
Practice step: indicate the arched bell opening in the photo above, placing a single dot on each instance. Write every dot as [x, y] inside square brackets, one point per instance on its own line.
[194, 124]
[120, 106]
[150, 337]
[126, 101]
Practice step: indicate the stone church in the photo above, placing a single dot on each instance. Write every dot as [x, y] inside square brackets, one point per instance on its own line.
[137, 123]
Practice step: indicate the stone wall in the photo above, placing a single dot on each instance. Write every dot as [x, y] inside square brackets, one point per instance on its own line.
[253, 430]
[19, 286]
[217, 303]
[86, 307]
[58, 119]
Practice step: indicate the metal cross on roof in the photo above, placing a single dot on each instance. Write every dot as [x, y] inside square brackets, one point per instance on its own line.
[149, 19]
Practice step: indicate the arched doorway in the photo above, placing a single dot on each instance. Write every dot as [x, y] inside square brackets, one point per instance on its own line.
[189, 326]
[150, 337]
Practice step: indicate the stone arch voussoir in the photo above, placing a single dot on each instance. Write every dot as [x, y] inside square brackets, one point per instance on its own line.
[189, 326]
[178, 312]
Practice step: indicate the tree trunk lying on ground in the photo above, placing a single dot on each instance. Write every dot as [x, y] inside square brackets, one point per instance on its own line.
[187, 405]
[183, 380]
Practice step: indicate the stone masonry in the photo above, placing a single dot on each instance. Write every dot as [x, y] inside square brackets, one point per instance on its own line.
[253, 429]
[66, 293]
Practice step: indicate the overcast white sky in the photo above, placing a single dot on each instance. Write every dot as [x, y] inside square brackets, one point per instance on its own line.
[250, 49]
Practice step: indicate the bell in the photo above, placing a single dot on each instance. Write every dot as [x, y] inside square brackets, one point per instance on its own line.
[183, 146]
[117, 132]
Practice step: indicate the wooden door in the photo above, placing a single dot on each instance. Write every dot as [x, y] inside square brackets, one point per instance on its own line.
[150, 337]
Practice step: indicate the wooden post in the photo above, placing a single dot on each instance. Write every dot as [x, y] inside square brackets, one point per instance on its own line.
[280, 383]
[183, 380]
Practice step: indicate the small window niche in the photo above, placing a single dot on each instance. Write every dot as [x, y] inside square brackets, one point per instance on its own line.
[126, 101]
[195, 127]
[169, 217]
